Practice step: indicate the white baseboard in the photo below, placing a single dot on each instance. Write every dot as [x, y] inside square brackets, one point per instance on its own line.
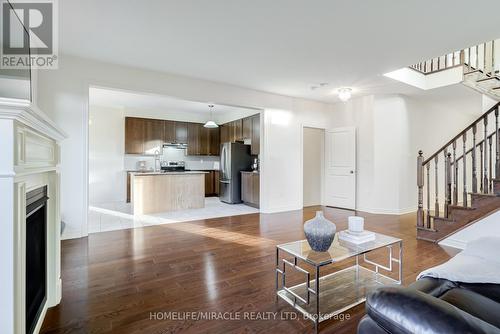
[280, 209]
[69, 233]
[381, 211]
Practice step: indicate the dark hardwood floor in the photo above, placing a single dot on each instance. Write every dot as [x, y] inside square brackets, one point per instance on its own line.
[115, 282]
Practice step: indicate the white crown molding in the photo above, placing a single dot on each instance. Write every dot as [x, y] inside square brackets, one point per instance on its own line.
[30, 115]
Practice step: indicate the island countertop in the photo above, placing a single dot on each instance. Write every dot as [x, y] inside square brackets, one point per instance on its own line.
[167, 173]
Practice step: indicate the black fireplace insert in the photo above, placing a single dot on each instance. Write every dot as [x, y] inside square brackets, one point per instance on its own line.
[36, 255]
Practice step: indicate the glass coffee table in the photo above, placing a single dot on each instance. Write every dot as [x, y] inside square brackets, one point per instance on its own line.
[324, 298]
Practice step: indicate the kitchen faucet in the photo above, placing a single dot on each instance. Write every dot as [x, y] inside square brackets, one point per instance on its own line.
[157, 160]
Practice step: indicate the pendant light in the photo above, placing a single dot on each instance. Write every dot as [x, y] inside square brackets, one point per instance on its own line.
[211, 124]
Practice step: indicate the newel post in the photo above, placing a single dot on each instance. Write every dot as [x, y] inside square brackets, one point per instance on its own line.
[420, 185]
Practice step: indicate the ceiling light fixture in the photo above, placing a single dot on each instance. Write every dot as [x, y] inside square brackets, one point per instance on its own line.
[344, 94]
[211, 124]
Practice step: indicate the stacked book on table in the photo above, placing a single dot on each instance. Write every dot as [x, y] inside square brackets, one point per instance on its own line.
[356, 237]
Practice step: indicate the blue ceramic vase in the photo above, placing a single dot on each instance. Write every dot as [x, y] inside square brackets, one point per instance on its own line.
[319, 232]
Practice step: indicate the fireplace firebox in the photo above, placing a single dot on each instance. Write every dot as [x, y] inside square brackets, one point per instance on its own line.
[36, 255]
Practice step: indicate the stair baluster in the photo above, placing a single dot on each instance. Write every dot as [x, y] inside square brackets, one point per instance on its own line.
[469, 62]
[464, 162]
[420, 185]
[445, 204]
[493, 58]
[436, 190]
[473, 153]
[497, 146]
[428, 220]
[455, 174]
[485, 152]
[490, 181]
[481, 189]
[484, 58]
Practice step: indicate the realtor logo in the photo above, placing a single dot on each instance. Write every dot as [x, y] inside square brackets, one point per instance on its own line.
[29, 34]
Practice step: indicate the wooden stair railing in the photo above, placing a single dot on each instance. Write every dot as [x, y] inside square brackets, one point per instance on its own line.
[480, 63]
[469, 161]
[481, 57]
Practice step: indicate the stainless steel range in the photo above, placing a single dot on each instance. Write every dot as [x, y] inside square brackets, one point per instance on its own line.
[173, 166]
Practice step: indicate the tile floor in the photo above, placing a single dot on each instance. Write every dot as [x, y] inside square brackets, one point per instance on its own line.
[117, 215]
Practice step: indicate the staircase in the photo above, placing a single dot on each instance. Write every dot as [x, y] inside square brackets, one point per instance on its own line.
[480, 63]
[460, 183]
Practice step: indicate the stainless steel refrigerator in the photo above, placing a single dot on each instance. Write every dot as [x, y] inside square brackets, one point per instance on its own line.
[234, 158]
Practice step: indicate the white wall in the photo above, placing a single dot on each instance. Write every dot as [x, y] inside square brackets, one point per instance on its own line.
[488, 226]
[313, 162]
[63, 95]
[106, 155]
[391, 130]
[282, 155]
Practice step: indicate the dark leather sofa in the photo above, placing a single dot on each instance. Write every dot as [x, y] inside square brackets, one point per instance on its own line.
[433, 306]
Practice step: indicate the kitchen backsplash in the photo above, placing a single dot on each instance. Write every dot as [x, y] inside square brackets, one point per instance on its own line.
[173, 154]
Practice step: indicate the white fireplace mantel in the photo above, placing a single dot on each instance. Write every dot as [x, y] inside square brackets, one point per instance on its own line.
[29, 159]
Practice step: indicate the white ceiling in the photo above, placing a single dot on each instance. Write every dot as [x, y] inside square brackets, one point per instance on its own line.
[112, 98]
[279, 46]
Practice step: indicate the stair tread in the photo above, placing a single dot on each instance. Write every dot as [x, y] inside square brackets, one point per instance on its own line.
[445, 219]
[472, 72]
[488, 78]
[459, 207]
[485, 195]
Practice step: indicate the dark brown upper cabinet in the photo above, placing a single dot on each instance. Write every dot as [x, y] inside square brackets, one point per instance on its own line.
[193, 139]
[170, 133]
[214, 141]
[134, 135]
[153, 136]
[247, 128]
[238, 130]
[181, 132]
[255, 147]
[224, 133]
[203, 141]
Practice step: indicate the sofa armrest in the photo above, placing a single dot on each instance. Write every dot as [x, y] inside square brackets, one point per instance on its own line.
[433, 286]
[406, 310]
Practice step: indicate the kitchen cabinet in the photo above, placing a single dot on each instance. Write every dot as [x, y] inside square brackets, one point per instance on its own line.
[175, 132]
[209, 183]
[146, 136]
[134, 135]
[255, 147]
[247, 128]
[214, 141]
[193, 139]
[169, 134]
[224, 133]
[250, 188]
[212, 183]
[238, 130]
[153, 135]
[202, 141]
[216, 182]
[181, 132]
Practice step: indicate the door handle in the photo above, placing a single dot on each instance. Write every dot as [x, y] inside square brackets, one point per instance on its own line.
[352, 172]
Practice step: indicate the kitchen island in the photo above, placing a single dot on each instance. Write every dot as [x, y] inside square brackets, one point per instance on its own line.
[155, 192]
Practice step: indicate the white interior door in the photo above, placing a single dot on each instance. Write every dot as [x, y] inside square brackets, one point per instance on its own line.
[340, 168]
